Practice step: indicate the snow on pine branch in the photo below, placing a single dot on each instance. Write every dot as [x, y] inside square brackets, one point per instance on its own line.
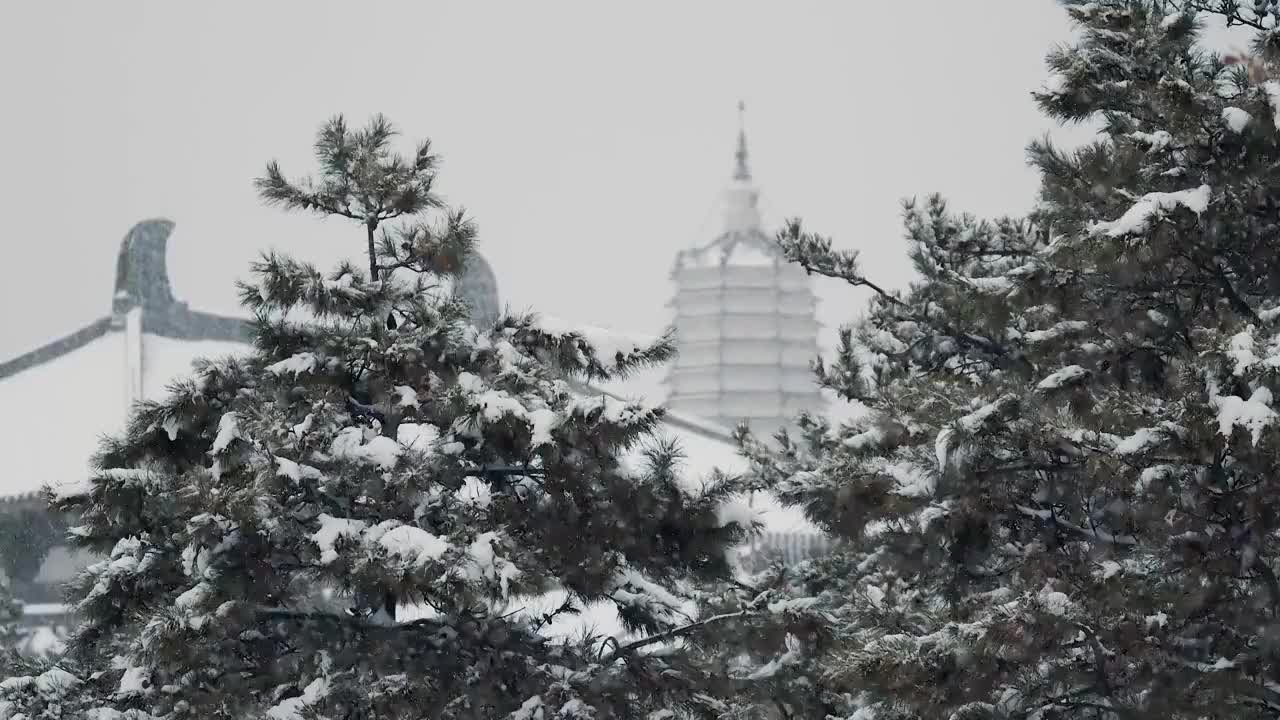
[407, 548]
[1254, 414]
[951, 438]
[1059, 330]
[1272, 88]
[1145, 439]
[76, 490]
[484, 564]
[296, 364]
[228, 431]
[381, 451]
[283, 284]
[631, 588]
[1243, 351]
[1138, 218]
[1154, 141]
[1236, 119]
[495, 405]
[740, 510]
[615, 350]
[294, 708]
[1055, 85]
[1063, 377]
[910, 479]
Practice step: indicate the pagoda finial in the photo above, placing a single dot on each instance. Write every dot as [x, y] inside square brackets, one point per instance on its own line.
[742, 172]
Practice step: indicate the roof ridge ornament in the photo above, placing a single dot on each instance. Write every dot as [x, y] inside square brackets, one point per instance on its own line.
[142, 274]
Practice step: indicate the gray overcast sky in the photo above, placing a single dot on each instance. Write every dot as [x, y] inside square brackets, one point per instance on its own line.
[588, 139]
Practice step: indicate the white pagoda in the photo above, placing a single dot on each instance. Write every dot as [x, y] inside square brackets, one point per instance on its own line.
[744, 321]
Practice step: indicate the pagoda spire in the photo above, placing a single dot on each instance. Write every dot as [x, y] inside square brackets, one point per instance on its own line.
[741, 213]
[741, 171]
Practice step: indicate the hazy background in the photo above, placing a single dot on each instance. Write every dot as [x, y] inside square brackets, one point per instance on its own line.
[590, 140]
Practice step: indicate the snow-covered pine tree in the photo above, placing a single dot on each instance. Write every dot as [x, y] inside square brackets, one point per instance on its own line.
[340, 525]
[1062, 501]
[869, 483]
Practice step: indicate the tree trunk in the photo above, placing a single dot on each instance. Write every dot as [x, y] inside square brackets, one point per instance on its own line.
[370, 225]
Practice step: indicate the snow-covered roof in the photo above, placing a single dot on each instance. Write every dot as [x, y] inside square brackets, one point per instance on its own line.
[60, 408]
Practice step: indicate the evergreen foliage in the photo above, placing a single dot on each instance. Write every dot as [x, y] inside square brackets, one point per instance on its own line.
[1062, 501]
[17, 656]
[345, 523]
[26, 537]
[10, 615]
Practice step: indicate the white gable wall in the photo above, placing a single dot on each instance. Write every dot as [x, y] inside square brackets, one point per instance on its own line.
[59, 409]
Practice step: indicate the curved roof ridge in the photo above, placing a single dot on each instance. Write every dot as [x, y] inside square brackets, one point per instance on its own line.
[142, 279]
[57, 348]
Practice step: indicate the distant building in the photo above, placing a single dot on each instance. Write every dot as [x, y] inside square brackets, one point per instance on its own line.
[744, 323]
[478, 287]
[73, 390]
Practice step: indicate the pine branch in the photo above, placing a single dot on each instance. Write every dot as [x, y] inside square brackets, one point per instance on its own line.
[274, 189]
[815, 254]
[1099, 535]
[1237, 302]
[1232, 15]
[631, 647]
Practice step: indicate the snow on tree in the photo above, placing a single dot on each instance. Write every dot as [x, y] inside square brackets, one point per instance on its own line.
[1062, 501]
[338, 525]
[10, 616]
